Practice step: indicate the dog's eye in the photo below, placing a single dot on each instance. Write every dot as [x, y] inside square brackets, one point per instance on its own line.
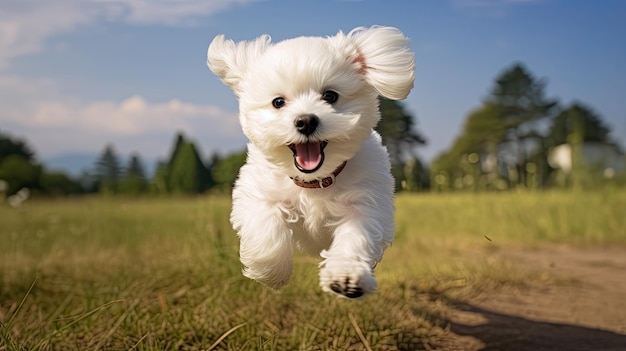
[278, 102]
[330, 96]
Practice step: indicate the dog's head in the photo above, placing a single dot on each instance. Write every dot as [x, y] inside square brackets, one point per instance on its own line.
[308, 103]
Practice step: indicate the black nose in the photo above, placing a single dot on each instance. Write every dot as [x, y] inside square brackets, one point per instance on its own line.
[307, 124]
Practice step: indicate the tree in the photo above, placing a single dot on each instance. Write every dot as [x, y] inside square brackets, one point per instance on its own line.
[108, 171]
[398, 133]
[581, 117]
[134, 181]
[187, 173]
[576, 125]
[135, 167]
[19, 169]
[522, 104]
[179, 140]
[19, 172]
[479, 141]
[499, 138]
[225, 170]
[161, 181]
[397, 130]
[17, 165]
[10, 146]
[59, 184]
[416, 175]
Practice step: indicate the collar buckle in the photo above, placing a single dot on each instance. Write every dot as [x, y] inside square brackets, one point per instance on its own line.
[327, 182]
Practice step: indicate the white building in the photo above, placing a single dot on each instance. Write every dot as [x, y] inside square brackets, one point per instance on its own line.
[605, 157]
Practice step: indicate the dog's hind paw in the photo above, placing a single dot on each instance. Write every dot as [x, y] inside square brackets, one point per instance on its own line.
[349, 278]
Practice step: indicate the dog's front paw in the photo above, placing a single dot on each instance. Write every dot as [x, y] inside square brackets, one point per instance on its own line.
[346, 277]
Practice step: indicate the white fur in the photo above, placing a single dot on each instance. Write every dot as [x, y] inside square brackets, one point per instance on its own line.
[351, 223]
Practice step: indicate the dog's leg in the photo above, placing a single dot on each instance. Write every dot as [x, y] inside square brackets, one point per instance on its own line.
[357, 247]
[265, 242]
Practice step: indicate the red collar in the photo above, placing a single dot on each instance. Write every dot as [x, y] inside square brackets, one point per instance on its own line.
[320, 183]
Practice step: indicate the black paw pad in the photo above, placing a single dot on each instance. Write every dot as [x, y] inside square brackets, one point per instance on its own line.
[347, 289]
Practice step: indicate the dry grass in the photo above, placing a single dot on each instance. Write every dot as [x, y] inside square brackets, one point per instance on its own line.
[163, 274]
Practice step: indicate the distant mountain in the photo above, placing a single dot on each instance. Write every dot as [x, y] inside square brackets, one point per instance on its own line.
[75, 163]
[71, 163]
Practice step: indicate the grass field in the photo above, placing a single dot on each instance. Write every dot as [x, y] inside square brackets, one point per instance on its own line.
[163, 274]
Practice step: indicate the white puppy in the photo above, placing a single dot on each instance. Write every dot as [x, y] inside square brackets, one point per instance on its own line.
[317, 176]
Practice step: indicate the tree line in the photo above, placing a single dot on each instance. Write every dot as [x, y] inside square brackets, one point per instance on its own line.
[19, 170]
[508, 140]
[184, 171]
[505, 143]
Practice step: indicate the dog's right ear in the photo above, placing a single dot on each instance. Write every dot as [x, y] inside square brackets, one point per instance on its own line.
[229, 61]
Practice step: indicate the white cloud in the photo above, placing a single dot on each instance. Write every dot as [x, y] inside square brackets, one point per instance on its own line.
[56, 124]
[129, 117]
[26, 24]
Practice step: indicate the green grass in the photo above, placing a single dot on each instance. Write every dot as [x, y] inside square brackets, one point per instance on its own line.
[515, 218]
[163, 274]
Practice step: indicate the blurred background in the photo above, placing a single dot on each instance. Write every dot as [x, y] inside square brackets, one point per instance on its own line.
[114, 96]
[509, 159]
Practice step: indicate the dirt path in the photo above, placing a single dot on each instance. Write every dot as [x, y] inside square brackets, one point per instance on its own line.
[585, 311]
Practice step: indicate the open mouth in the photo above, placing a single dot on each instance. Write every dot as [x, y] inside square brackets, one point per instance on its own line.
[308, 157]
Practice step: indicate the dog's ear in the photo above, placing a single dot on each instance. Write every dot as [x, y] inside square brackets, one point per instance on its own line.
[229, 61]
[383, 56]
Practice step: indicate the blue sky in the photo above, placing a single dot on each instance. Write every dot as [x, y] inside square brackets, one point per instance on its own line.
[78, 74]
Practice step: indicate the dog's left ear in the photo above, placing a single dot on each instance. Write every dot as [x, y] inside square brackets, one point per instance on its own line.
[382, 55]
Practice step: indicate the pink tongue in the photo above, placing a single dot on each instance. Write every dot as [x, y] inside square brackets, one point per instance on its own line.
[308, 155]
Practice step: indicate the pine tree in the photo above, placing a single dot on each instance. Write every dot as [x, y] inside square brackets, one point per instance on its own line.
[108, 171]
[134, 181]
[187, 173]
